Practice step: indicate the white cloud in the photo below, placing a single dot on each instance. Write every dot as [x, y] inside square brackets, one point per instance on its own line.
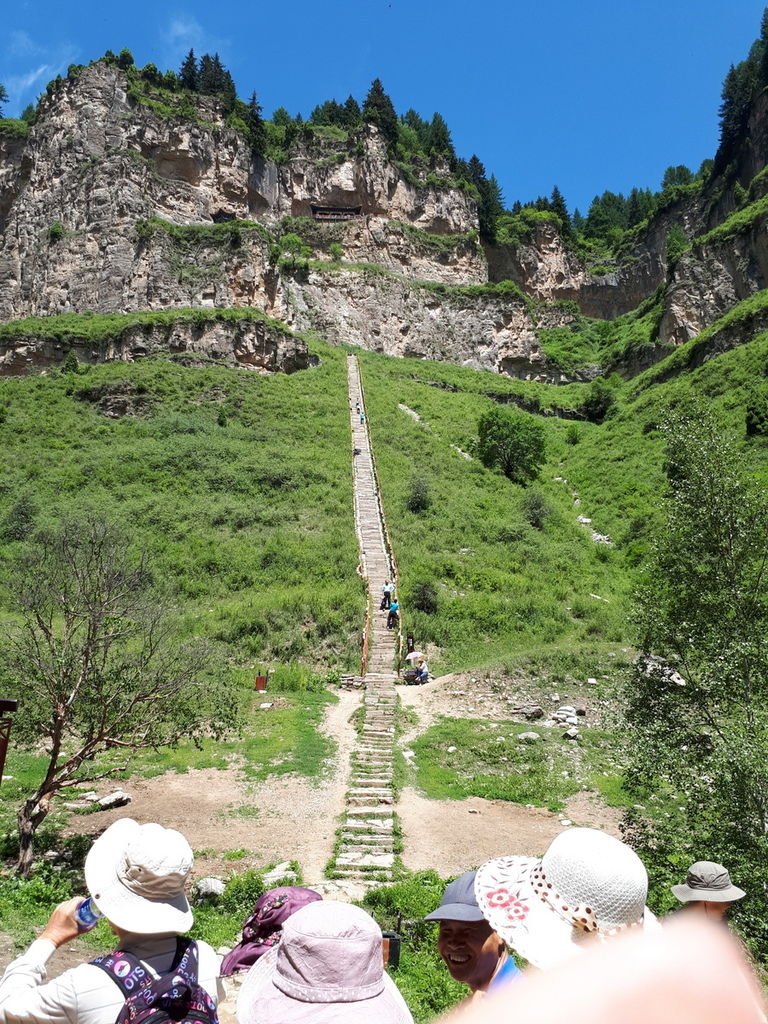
[182, 33]
[21, 44]
[19, 85]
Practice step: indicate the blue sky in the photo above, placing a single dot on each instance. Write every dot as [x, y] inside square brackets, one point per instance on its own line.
[599, 95]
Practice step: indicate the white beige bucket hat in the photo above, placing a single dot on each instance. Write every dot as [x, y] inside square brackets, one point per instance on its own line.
[587, 883]
[136, 876]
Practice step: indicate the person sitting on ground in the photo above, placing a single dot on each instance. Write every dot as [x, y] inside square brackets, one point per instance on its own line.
[587, 885]
[422, 672]
[135, 875]
[327, 969]
[708, 890]
[473, 952]
[263, 928]
[394, 613]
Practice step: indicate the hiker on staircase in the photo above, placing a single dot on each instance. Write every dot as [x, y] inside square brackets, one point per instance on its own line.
[394, 614]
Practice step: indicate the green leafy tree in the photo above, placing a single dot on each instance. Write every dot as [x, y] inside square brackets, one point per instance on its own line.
[379, 110]
[697, 705]
[675, 175]
[3, 98]
[125, 59]
[95, 665]
[513, 442]
[188, 72]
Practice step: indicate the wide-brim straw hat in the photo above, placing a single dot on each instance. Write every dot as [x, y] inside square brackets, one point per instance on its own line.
[327, 969]
[136, 876]
[709, 883]
[586, 884]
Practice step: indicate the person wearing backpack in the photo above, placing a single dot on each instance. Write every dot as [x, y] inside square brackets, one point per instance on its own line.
[135, 875]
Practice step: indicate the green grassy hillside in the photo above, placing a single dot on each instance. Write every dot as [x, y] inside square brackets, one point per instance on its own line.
[237, 485]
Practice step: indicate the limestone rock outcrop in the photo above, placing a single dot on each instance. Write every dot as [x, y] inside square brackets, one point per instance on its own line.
[252, 344]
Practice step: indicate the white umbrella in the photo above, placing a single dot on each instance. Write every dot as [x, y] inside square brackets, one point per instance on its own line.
[413, 656]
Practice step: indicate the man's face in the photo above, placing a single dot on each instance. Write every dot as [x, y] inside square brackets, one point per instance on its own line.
[715, 911]
[471, 951]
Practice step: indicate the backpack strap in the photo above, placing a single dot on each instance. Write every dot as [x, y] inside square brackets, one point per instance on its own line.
[186, 962]
[126, 970]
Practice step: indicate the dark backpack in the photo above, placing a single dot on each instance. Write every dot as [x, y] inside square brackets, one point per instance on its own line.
[175, 996]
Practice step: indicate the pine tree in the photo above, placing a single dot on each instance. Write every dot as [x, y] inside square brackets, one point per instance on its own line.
[188, 72]
[379, 110]
[558, 206]
[3, 98]
[440, 142]
[256, 130]
[206, 74]
[352, 113]
[764, 48]
[282, 118]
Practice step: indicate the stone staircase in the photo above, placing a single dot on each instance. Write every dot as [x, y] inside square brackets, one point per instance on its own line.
[366, 846]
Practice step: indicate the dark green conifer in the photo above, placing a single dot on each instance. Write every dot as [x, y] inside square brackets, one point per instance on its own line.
[379, 110]
[188, 72]
[256, 130]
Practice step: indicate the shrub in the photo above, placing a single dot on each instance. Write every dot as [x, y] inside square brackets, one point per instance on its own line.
[55, 232]
[572, 434]
[536, 508]
[19, 521]
[294, 678]
[513, 442]
[336, 251]
[756, 418]
[241, 892]
[424, 598]
[71, 363]
[419, 498]
[598, 401]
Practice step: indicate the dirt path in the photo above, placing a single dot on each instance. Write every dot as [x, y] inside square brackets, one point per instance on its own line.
[276, 820]
[452, 836]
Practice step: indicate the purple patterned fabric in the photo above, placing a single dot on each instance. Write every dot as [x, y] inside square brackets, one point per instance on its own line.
[263, 928]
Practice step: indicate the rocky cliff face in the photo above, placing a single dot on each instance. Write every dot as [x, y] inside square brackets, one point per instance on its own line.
[384, 314]
[252, 344]
[711, 278]
[546, 268]
[113, 205]
[95, 166]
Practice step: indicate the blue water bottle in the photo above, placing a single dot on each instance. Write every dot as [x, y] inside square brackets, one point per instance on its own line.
[87, 915]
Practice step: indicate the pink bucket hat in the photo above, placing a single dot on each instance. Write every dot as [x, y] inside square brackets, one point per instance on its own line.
[586, 883]
[327, 969]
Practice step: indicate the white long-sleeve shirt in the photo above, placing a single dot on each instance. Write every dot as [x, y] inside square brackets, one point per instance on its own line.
[86, 994]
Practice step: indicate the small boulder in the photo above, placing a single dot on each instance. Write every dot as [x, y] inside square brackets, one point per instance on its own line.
[529, 737]
[451, 750]
[571, 734]
[281, 874]
[117, 799]
[591, 681]
[208, 890]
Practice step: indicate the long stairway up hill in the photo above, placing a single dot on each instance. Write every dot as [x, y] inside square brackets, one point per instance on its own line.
[366, 849]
